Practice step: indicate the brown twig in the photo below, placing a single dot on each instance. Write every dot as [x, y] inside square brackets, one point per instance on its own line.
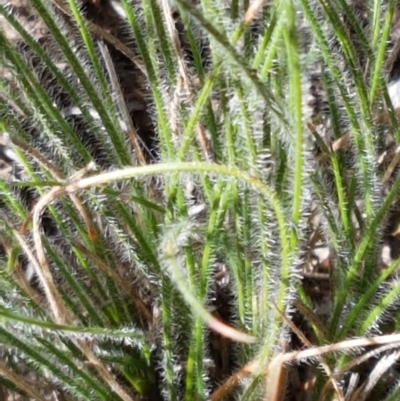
[316, 352]
[100, 32]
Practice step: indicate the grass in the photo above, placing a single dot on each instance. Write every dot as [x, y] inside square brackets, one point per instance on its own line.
[175, 169]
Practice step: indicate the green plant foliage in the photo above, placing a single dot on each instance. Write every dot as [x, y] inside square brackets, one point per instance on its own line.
[251, 210]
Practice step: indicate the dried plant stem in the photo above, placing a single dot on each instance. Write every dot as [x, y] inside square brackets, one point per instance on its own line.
[99, 31]
[307, 343]
[131, 131]
[22, 383]
[252, 11]
[118, 280]
[90, 227]
[104, 372]
[58, 310]
[184, 80]
[255, 368]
